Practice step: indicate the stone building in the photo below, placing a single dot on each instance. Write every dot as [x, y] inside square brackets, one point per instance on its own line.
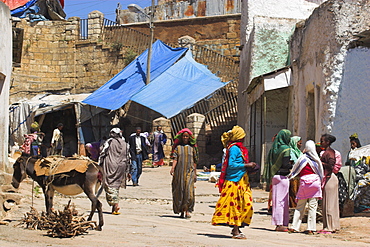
[56, 57]
[80, 55]
[180, 9]
[330, 73]
[214, 24]
[266, 28]
[5, 75]
[62, 58]
[323, 87]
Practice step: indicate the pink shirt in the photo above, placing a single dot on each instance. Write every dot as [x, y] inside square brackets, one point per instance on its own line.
[309, 187]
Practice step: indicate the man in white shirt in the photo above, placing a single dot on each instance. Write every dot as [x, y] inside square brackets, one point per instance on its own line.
[139, 152]
[57, 140]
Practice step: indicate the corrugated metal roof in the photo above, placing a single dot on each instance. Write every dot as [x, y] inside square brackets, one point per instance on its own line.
[184, 9]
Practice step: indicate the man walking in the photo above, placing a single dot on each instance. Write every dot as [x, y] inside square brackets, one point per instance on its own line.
[139, 152]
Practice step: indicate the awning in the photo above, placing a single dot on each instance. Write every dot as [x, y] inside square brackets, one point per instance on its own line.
[179, 87]
[54, 102]
[267, 82]
[22, 114]
[118, 90]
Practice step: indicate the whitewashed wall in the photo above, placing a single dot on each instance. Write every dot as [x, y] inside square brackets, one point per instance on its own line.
[5, 73]
[353, 107]
[297, 9]
[324, 67]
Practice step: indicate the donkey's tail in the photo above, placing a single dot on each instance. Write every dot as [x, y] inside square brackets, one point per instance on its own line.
[101, 179]
[100, 190]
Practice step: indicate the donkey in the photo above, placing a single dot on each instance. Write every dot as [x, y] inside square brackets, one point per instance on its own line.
[68, 183]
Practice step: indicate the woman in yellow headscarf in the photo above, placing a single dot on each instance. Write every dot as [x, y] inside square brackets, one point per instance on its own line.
[234, 208]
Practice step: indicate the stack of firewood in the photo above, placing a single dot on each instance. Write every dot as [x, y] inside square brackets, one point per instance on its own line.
[61, 224]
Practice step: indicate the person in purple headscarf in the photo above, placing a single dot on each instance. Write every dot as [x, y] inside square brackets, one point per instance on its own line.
[93, 150]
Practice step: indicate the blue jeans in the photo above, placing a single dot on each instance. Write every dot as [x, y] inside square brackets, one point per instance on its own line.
[34, 150]
[137, 168]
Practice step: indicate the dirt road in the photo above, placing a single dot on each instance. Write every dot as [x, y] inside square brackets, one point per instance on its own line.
[147, 219]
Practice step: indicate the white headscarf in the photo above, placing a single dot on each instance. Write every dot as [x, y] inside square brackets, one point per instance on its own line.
[310, 156]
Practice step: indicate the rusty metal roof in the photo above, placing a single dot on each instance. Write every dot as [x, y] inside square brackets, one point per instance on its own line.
[182, 10]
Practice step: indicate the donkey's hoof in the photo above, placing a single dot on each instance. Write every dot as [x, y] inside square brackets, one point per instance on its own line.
[98, 228]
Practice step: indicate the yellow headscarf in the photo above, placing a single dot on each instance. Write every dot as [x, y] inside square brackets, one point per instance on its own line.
[235, 134]
[35, 125]
[355, 135]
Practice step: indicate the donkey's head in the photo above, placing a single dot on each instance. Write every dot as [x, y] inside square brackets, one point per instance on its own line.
[19, 172]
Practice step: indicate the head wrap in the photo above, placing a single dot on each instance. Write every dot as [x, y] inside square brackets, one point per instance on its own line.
[233, 135]
[311, 157]
[177, 140]
[183, 131]
[354, 135]
[354, 138]
[179, 134]
[93, 149]
[295, 152]
[310, 149]
[115, 133]
[35, 125]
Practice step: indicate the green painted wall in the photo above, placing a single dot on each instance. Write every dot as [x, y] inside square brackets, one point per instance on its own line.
[271, 50]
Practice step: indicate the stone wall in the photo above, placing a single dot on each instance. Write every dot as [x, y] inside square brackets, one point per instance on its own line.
[217, 33]
[196, 123]
[55, 59]
[325, 67]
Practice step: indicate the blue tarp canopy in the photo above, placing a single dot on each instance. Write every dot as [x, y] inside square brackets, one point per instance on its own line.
[118, 90]
[179, 87]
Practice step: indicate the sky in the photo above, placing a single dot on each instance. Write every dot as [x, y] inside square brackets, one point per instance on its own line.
[81, 8]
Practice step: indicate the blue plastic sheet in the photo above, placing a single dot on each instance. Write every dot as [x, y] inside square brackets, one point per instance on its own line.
[179, 87]
[118, 90]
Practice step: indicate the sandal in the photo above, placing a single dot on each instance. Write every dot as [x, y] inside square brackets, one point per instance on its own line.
[187, 216]
[281, 229]
[291, 230]
[309, 232]
[324, 232]
[239, 236]
[115, 209]
[116, 213]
